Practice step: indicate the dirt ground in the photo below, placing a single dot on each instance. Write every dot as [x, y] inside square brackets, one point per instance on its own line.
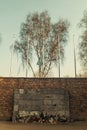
[16, 126]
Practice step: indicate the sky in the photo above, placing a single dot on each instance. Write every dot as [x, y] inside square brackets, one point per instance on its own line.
[14, 12]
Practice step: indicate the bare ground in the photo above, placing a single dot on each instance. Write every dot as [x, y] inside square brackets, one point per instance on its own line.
[18, 126]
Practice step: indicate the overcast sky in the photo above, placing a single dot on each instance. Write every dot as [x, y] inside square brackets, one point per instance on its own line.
[14, 12]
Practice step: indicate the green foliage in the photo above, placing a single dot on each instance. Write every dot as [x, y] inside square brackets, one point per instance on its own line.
[83, 43]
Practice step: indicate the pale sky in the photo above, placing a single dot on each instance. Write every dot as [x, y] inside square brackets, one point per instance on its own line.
[14, 12]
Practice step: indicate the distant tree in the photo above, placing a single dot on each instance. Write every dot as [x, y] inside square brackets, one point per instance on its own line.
[0, 38]
[83, 43]
[40, 38]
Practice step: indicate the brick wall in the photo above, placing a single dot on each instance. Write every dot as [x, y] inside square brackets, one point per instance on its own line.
[77, 88]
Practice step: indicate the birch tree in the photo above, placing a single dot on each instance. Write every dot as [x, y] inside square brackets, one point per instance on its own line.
[39, 38]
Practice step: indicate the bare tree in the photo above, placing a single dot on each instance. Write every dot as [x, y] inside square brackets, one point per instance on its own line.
[39, 37]
[60, 33]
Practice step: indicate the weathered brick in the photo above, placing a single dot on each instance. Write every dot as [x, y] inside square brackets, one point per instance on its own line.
[77, 88]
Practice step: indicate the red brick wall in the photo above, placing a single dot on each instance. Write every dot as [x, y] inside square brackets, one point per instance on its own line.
[77, 88]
